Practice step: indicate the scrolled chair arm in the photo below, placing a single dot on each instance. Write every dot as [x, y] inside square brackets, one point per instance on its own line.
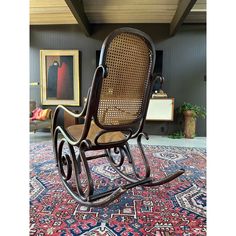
[68, 111]
[81, 114]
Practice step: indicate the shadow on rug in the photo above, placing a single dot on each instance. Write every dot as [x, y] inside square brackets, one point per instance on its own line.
[177, 208]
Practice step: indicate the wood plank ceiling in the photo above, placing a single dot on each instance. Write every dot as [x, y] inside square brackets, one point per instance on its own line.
[50, 12]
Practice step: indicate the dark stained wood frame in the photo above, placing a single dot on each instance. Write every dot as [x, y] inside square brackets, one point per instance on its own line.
[70, 162]
[181, 13]
[77, 9]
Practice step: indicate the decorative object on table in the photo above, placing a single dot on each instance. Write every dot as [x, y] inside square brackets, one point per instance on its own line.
[59, 74]
[159, 93]
[190, 113]
[115, 113]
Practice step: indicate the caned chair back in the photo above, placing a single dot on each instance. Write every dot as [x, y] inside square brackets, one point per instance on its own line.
[128, 55]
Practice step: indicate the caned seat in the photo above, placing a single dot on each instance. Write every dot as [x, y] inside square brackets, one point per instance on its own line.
[75, 131]
[114, 113]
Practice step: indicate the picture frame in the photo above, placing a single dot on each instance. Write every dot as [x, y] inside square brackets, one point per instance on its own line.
[59, 77]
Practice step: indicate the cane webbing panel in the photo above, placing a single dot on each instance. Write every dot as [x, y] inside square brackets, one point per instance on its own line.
[128, 61]
[76, 131]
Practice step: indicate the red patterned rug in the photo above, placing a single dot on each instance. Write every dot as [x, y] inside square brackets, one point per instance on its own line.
[177, 208]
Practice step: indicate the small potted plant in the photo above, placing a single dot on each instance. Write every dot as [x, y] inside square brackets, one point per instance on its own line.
[190, 113]
[177, 135]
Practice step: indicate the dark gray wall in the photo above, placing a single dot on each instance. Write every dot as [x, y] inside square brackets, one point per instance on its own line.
[184, 61]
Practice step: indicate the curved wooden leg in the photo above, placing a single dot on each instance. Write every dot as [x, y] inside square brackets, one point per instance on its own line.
[128, 153]
[122, 153]
[65, 176]
[163, 180]
[85, 196]
[166, 179]
[67, 163]
[125, 151]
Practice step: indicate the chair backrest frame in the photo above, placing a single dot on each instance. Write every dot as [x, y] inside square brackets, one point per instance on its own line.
[101, 73]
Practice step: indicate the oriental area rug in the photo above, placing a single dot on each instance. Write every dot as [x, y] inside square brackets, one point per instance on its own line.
[177, 208]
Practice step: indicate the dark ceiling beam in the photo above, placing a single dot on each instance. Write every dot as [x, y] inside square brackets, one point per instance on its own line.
[77, 9]
[182, 11]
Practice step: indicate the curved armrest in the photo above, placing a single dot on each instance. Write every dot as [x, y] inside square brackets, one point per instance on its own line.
[88, 109]
[68, 111]
[55, 116]
[75, 115]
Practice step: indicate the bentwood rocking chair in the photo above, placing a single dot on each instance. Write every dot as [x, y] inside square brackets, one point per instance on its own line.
[115, 112]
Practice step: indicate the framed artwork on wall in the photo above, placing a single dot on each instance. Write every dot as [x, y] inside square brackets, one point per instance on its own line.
[59, 75]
